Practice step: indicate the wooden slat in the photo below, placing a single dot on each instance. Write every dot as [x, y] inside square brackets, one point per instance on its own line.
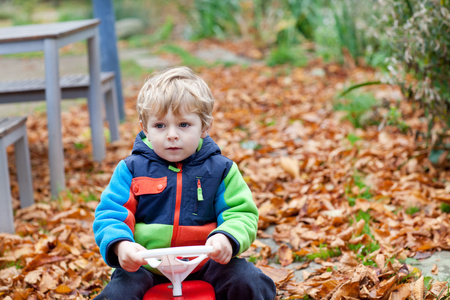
[38, 84]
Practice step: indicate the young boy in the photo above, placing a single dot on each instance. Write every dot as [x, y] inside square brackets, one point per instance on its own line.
[176, 189]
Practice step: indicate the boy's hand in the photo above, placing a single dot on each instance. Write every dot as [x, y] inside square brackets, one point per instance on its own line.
[222, 248]
[127, 251]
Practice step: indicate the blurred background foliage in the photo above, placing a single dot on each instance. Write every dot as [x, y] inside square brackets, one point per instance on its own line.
[407, 40]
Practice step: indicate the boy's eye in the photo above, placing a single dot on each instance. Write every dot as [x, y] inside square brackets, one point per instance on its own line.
[184, 124]
[159, 125]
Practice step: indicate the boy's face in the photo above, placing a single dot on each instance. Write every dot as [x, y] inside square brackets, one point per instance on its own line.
[174, 138]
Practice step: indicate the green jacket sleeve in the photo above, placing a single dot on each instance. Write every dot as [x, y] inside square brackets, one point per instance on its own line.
[237, 215]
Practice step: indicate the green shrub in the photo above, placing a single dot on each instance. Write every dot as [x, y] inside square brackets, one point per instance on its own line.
[350, 37]
[419, 42]
[266, 22]
[161, 34]
[75, 11]
[344, 32]
[210, 18]
[24, 11]
[7, 11]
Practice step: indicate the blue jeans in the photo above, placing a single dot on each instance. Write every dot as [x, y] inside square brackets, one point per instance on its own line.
[236, 280]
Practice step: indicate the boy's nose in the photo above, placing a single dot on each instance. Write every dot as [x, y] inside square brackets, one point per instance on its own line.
[172, 134]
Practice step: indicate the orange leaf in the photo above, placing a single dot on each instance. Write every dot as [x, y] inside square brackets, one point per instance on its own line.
[63, 289]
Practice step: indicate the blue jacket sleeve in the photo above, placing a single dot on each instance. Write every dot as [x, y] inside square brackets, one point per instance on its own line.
[110, 215]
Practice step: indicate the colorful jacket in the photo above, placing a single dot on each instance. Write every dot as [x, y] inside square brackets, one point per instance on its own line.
[160, 204]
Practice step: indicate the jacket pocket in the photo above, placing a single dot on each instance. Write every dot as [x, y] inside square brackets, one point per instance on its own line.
[147, 185]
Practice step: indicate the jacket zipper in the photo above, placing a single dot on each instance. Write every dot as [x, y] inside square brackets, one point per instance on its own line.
[199, 195]
[176, 218]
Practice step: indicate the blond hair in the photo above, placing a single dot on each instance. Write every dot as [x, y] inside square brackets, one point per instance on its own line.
[177, 89]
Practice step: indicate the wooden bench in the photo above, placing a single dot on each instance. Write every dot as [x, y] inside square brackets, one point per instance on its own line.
[72, 87]
[13, 131]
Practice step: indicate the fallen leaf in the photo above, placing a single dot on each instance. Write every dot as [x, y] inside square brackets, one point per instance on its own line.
[278, 275]
[418, 289]
[435, 270]
[290, 165]
[63, 289]
[285, 255]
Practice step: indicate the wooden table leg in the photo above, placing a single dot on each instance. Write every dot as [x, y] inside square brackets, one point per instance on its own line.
[23, 166]
[53, 99]
[6, 211]
[95, 99]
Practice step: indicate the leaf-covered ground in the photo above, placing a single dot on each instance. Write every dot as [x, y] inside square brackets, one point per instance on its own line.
[358, 202]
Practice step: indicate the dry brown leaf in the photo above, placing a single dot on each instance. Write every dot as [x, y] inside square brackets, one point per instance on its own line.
[418, 289]
[285, 255]
[42, 259]
[7, 275]
[435, 270]
[362, 239]
[401, 292]
[279, 276]
[348, 289]
[437, 287]
[349, 258]
[34, 276]
[290, 165]
[47, 283]
[380, 260]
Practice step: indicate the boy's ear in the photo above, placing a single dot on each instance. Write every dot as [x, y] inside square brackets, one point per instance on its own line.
[142, 127]
[204, 133]
[206, 130]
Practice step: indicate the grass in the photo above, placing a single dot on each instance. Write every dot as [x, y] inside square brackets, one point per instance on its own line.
[294, 56]
[89, 197]
[357, 106]
[365, 194]
[394, 117]
[412, 210]
[324, 253]
[445, 207]
[131, 69]
[16, 264]
[253, 259]
[352, 138]
[186, 57]
[79, 146]
[363, 250]
[162, 34]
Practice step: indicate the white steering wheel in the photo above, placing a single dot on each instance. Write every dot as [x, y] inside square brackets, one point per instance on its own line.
[174, 262]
